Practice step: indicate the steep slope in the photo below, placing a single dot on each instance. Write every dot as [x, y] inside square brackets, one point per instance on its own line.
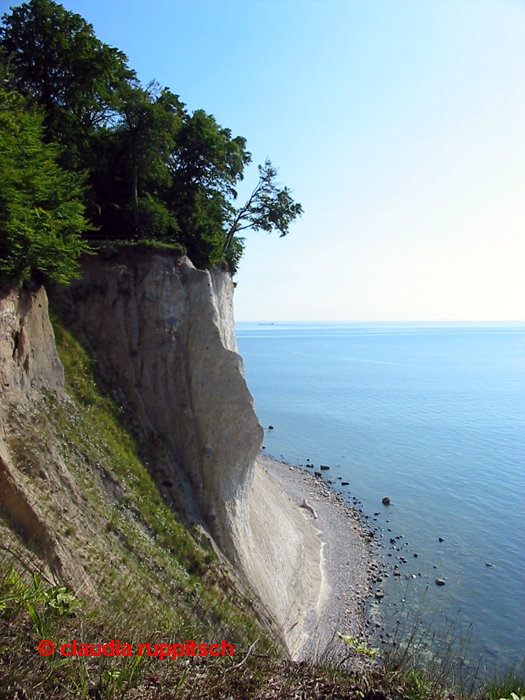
[78, 507]
[161, 331]
[164, 331]
[29, 367]
[163, 341]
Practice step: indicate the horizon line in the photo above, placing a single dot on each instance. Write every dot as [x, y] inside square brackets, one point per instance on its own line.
[394, 321]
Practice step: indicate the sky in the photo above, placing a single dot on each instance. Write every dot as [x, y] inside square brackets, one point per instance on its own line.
[399, 125]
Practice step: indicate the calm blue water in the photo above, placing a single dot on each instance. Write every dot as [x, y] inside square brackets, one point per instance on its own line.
[434, 418]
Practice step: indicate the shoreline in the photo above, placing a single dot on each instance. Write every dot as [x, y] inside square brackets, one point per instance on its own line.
[347, 567]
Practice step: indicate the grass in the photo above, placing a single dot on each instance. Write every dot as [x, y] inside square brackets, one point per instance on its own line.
[113, 455]
[111, 248]
[149, 579]
[32, 612]
[429, 663]
[511, 686]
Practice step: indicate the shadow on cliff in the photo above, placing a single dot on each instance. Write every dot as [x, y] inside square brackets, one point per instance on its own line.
[150, 449]
[162, 337]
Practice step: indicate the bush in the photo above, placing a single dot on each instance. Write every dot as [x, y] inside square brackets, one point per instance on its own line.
[41, 212]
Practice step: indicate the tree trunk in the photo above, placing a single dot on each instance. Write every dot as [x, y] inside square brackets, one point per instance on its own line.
[135, 195]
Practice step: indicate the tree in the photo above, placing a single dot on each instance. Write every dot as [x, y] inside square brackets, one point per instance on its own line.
[150, 120]
[206, 165]
[267, 208]
[152, 170]
[41, 214]
[56, 61]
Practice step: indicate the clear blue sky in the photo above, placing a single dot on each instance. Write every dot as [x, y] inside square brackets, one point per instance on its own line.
[398, 124]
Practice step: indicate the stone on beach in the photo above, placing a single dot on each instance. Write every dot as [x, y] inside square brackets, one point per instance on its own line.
[345, 589]
[308, 507]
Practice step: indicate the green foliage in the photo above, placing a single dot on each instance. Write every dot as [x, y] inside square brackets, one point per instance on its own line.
[152, 170]
[206, 156]
[57, 61]
[206, 165]
[112, 248]
[268, 207]
[152, 219]
[15, 593]
[511, 686]
[41, 215]
[359, 647]
[234, 253]
[141, 142]
[61, 600]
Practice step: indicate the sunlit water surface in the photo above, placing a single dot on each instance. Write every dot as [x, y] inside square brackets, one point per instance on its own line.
[434, 418]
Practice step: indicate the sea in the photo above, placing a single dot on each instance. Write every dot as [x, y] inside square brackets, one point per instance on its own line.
[431, 416]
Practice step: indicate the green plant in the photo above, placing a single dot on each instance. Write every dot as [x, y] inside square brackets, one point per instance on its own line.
[511, 686]
[41, 212]
[359, 647]
[154, 169]
[34, 596]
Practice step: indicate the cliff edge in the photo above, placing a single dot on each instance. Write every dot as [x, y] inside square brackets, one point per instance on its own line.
[165, 333]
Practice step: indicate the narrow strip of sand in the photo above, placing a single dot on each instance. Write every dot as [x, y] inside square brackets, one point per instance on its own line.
[345, 560]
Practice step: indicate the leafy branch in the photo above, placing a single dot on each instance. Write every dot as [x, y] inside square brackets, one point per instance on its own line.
[267, 208]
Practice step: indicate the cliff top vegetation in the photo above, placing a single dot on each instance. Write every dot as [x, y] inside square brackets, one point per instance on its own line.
[88, 152]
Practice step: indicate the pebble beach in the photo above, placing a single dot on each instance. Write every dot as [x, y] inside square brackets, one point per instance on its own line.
[346, 562]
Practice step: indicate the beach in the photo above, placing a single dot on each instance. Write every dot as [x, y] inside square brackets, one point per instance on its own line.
[345, 561]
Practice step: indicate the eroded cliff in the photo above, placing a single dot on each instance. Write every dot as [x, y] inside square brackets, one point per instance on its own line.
[167, 332]
[162, 332]
[29, 370]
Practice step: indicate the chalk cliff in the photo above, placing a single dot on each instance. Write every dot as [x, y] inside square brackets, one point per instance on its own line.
[165, 330]
[163, 333]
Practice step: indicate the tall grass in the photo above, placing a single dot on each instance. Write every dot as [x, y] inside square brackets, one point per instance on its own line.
[432, 660]
[150, 580]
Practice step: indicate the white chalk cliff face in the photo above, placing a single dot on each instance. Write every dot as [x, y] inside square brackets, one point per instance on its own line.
[166, 331]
